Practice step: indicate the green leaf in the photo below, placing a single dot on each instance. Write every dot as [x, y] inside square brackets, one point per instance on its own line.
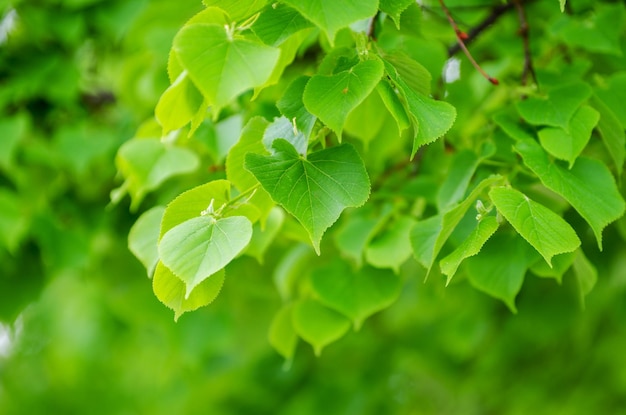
[562, 5]
[170, 290]
[282, 335]
[557, 108]
[199, 247]
[277, 22]
[546, 231]
[249, 142]
[263, 236]
[318, 325]
[469, 247]
[193, 202]
[430, 119]
[413, 73]
[143, 238]
[366, 120]
[12, 130]
[223, 64]
[586, 275]
[222, 136]
[237, 9]
[560, 264]
[428, 236]
[357, 295]
[394, 8]
[292, 107]
[13, 223]
[332, 97]
[500, 267]
[146, 163]
[462, 168]
[178, 105]
[282, 128]
[290, 269]
[588, 186]
[392, 247]
[612, 133]
[331, 16]
[614, 95]
[314, 190]
[567, 144]
[392, 101]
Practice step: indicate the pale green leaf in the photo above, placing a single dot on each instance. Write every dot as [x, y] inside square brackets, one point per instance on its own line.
[317, 324]
[282, 128]
[562, 5]
[560, 264]
[223, 64]
[469, 247]
[331, 16]
[170, 290]
[366, 120]
[147, 163]
[143, 238]
[546, 231]
[567, 144]
[282, 335]
[557, 108]
[199, 247]
[588, 186]
[355, 294]
[315, 190]
[332, 97]
[237, 9]
[392, 247]
[178, 105]
[500, 266]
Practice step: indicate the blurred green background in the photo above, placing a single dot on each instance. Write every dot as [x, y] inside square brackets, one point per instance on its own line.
[82, 333]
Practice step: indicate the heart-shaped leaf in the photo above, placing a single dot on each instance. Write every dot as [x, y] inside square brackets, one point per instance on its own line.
[356, 295]
[223, 64]
[315, 190]
[332, 97]
[170, 290]
[178, 105]
[392, 247]
[318, 325]
[567, 144]
[199, 247]
[558, 108]
[143, 238]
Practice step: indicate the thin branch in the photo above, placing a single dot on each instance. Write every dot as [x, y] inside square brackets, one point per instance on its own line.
[523, 32]
[461, 37]
[495, 14]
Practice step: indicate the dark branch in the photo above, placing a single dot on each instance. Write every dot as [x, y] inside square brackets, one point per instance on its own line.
[495, 14]
[523, 32]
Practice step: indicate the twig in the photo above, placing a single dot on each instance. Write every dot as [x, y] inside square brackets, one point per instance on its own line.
[461, 37]
[495, 14]
[523, 32]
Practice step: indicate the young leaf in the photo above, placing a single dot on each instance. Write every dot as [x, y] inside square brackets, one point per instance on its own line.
[178, 105]
[292, 107]
[500, 266]
[332, 97]
[318, 325]
[392, 247]
[331, 16]
[223, 64]
[567, 144]
[430, 119]
[429, 236]
[558, 108]
[314, 190]
[282, 335]
[143, 238]
[277, 22]
[356, 295]
[199, 247]
[170, 290]
[588, 186]
[469, 247]
[146, 163]
[546, 231]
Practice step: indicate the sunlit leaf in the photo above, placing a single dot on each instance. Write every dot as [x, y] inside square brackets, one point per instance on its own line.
[143, 238]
